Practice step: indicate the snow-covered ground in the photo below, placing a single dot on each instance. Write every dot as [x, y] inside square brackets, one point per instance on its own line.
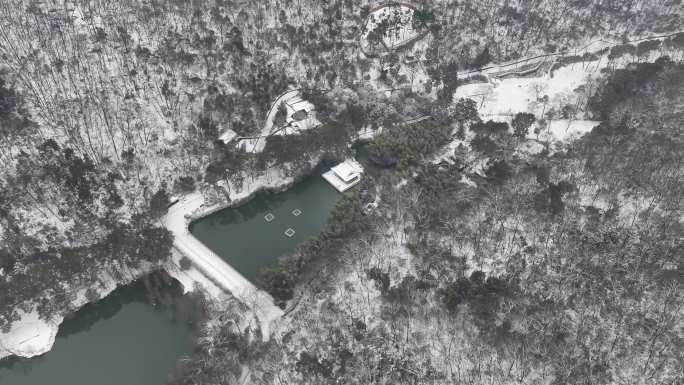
[29, 337]
[589, 47]
[502, 99]
[499, 99]
[401, 30]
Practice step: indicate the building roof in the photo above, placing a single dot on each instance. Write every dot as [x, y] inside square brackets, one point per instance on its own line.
[227, 135]
[347, 170]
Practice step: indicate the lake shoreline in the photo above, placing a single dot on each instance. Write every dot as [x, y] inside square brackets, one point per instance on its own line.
[31, 336]
[148, 320]
[208, 270]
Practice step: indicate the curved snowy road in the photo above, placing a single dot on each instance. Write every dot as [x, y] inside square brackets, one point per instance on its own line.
[259, 143]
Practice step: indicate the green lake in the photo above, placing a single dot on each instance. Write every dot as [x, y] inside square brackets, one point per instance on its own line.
[247, 240]
[129, 339]
[124, 339]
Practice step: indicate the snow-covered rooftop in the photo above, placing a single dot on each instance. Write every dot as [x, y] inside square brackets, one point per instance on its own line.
[348, 170]
[227, 136]
[345, 175]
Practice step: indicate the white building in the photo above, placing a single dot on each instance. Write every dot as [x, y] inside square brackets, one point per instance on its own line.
[227, 136]
[301, 116]
[345, 175]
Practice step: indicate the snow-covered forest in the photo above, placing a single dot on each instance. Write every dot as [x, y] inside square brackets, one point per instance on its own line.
[524, 224]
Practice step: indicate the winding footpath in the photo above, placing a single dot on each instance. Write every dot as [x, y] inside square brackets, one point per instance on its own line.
[258, 143]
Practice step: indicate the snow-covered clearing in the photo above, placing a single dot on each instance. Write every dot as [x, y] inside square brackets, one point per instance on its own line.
[598, 47]
[502, 99]
[570, 85]
[29, 337]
